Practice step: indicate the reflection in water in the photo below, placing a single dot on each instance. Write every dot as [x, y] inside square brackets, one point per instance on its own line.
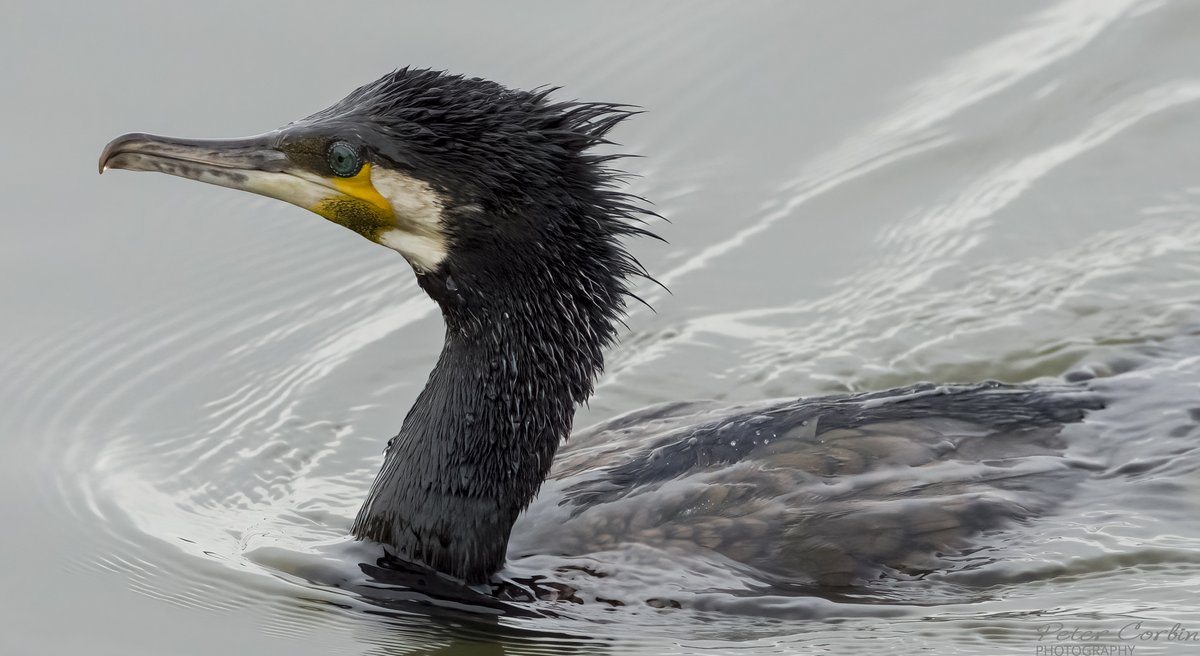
[197, 412]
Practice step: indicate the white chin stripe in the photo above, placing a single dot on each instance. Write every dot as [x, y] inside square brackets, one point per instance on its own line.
[418, 235]
[424, 253]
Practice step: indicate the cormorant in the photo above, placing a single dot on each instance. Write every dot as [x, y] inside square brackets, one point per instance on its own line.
[513, 226]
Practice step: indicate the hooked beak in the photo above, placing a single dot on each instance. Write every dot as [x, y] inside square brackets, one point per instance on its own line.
[191, 158]
[251, 164]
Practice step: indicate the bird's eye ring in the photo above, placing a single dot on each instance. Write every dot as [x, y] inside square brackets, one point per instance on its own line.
[344, 159]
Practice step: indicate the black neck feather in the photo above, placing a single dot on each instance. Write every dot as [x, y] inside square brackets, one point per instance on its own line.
[530, 302]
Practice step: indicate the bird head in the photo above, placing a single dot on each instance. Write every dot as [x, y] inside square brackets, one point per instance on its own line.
[423, 162]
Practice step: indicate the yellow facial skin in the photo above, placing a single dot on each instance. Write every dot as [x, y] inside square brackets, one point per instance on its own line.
[359, 206]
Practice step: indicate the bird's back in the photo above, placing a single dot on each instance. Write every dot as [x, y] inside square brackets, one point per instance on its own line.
[830, 491]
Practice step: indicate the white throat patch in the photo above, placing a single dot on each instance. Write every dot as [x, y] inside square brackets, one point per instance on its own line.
[418, 234]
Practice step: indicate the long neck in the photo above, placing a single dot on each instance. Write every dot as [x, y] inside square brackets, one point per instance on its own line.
[523, 346]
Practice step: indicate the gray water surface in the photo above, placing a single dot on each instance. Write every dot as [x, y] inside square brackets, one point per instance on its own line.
[196, 384]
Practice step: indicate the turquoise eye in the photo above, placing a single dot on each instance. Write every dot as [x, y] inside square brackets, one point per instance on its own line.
[344, 160]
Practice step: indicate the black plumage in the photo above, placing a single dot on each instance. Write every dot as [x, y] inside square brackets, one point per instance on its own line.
[535, 280]
[527, 265]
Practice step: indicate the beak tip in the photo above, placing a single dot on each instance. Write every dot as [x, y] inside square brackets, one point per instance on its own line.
[119, 145]
[110, 149]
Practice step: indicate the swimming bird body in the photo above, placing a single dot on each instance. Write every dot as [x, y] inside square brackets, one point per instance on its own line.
[514, 227]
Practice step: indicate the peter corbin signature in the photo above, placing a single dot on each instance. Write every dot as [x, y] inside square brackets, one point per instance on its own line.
[1059, 639]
